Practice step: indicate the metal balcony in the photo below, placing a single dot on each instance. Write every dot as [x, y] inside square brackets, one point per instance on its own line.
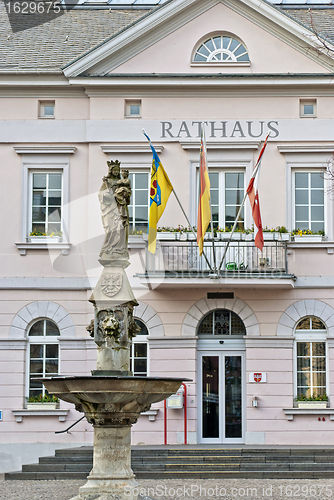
[243, 262]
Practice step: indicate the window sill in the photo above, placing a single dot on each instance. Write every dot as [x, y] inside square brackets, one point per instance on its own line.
[220, 64]
[291, 412]
[19, 414]
[23, 247]
[46, 117]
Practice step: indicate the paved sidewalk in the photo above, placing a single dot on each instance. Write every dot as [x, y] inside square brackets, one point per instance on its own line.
[170, 489]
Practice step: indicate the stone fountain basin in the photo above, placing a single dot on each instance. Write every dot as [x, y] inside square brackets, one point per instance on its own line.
[112, 389]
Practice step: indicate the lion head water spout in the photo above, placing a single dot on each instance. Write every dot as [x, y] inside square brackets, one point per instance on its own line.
[112, 399]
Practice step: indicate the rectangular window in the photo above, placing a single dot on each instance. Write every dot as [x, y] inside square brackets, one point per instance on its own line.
[46, 109]
[46, 202]
[309, 201]
[44, 362]
[138, 358]
[227, 192]
[139, 203]
[308, 108]
[133, 108]
[311, 368]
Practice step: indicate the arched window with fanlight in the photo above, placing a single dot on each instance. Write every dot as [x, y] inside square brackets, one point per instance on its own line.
[310, 357]
[221, 322]
[139, 353]
[43, 355]
[221, 49]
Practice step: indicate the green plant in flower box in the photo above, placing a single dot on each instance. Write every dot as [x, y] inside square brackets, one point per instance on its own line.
[315, 397]
[47, 398]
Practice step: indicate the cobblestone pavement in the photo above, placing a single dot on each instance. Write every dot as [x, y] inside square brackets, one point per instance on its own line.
[223, 489]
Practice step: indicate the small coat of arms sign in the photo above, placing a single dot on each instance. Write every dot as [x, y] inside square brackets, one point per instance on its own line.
[111, 284]
[258, 377]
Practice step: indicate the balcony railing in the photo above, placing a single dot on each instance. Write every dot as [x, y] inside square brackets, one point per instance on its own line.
[242, 259]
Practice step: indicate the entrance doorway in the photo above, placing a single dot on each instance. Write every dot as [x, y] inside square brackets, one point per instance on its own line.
[221, 396]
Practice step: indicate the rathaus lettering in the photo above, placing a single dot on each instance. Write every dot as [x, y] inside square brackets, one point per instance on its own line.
[217, 129]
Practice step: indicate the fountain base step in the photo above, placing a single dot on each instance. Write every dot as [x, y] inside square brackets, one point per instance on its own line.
[189, 462]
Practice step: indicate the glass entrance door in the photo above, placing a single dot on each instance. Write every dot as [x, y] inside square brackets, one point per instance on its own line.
[222, 398]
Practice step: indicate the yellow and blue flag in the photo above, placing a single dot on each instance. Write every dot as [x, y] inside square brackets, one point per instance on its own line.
[160, 190]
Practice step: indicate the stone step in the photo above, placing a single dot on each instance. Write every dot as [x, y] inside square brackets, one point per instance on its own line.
[265, 474]
[76, 463]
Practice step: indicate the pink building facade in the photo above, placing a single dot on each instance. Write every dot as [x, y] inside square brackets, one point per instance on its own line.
[250, 340]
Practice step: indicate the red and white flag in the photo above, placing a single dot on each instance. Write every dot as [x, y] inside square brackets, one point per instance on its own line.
[253, 196]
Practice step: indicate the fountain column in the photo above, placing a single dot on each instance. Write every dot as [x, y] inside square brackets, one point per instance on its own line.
[112, 399]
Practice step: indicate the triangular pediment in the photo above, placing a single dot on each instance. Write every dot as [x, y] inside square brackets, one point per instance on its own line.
[163, 42]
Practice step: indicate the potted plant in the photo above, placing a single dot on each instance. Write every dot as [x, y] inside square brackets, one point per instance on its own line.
[270, 234]
[48, 237]
[224, 234]
[40, 402]
[283, 233]
[307, 235]
[166, 233]
[312, 402]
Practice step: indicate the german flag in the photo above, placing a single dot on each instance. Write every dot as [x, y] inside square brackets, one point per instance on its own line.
[204, 208]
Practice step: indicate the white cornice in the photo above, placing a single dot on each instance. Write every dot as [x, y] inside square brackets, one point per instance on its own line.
[23, 150]
[177, 13]
[306, 148]
[129, 148]
[221, 145]
[144, 82]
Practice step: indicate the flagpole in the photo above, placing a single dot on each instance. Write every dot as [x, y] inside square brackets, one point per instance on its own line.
[211, 223]
[184, 213]
[257, 166]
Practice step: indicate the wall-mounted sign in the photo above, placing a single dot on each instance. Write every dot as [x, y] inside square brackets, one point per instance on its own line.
[258, 377]
[175, 401]
[0, 415]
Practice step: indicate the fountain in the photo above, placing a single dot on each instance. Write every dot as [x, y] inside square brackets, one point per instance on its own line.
[111, 398]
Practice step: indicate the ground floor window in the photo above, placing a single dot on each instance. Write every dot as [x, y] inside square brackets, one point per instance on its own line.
[311, 357]
[139, 354]
[43, 349]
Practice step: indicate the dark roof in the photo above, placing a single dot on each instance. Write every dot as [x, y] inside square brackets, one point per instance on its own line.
[54, 43]
[320, 20]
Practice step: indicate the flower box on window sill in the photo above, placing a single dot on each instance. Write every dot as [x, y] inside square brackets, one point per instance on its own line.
[308, 405]
[45, 239]
[315, 238]
[285, 236]
[166, 235]
[225, 236]
[42, 406]
[270, 235]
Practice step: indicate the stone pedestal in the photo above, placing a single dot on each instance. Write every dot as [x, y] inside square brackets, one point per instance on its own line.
[111, 477]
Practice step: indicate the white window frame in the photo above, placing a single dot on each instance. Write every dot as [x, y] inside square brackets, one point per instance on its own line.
[307, 102]
[306, 171]
[41, 109]
[231, 62]
[30, 194]
[41, 164]
[312, 161]
[127, 108]
[222, 192]
[222, 168]
[309, 336]
[140, 170]
[39, 339]
[142, 339]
